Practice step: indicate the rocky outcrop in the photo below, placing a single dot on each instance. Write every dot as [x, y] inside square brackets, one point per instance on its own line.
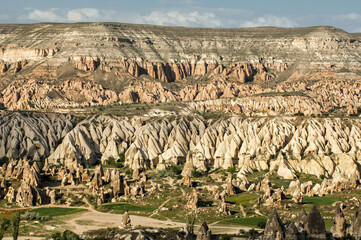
[356, 225]
[37, 94]
[314, 225]
[249, 144]
[32, 136]
[339, 226]
[204, 233]
[330, 146]
[104, 63]
[90, 141]
[126, 223]
[274, 227]
[28, 195]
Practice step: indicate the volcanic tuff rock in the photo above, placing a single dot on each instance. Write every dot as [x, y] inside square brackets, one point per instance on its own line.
[31, 135]
[69, 65]
[330, 146]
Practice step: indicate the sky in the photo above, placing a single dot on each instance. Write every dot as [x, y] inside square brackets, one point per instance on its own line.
[344, 14]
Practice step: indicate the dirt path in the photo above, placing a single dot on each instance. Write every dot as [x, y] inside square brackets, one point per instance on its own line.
[93, 220]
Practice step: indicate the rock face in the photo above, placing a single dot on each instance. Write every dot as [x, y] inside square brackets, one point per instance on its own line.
[330, 146]
[28, 195]
[356, 225]
[90, 140]
[314, 225]
[339, 226]
[274, 227]
[102, 63]
[204, 233]
[32, 136]
[126, 220]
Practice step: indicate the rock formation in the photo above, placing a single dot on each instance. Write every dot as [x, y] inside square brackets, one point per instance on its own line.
[274, 227]
[314, 225]
[339, 226]
[126, 220]
[204, 233]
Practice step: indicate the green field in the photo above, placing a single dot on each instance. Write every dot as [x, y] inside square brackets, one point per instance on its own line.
[326, 200]
[242, 198]
[248, 221]
[121, 207]
[57, 211]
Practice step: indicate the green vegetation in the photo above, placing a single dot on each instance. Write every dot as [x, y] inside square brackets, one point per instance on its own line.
[197, 174]
[254, 222]
[136, 108]
[57, 211]
[242, 198]
[191, 219]
[283, 94]
[66, 235]
[111, 162]
[4, 225]
[121, 207]
[15, 225]
[212, 114]
[174, 171]
[35, 216]
[326, 200]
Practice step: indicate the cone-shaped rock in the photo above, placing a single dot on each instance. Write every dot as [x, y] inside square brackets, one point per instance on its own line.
[314, 225]
[274, 227]
[338, 228]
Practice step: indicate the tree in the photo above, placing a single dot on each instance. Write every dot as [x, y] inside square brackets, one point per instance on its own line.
[191, 219]
[4, 224]
[16, 224]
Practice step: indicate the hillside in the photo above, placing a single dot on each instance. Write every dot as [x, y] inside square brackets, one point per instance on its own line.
[74, 65]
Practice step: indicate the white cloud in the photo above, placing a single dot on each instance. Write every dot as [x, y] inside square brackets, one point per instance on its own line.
[83, 14]
[40, 15]
[175, 18]
[270, 20]
[350, 16]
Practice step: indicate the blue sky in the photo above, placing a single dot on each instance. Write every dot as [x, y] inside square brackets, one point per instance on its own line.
[345, 14]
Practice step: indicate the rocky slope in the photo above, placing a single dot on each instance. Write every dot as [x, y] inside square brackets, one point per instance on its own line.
[286, 145]
[70, 65]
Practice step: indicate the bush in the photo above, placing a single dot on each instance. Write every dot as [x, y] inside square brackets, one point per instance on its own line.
[165, 173]
[66, 235]
[190, 221]
[4, 224]
[262, 223]
[69, 235]
[196, 173]
[176, 169]
[35, 216]
[111, 162]
[231, 170]
[15, 224]
[251, 234]
[129, 172]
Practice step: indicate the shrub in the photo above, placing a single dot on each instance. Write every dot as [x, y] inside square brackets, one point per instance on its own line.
[15, 224]
[112, 163]
[191, 219]
[262, 223]
[231, 170]
[165, 173]
[196, 173]
[176, 169]
[35, 216]
[4, 224]
[66, 235]
[69, 235]
[129, 172]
